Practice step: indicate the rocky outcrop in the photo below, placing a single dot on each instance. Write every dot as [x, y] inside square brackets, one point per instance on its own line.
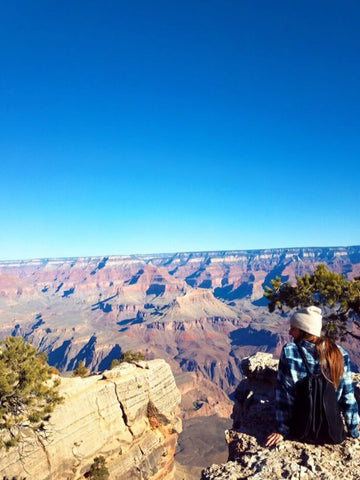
[128, 414]
[253, 420]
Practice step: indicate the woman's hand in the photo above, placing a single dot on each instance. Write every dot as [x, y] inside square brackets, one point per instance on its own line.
[273, 439]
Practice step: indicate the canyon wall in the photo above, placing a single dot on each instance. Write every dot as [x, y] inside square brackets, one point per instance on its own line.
[201, 311]
[130, 415]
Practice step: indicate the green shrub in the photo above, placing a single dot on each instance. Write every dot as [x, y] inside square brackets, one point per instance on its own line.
[114, 363]
[98, 470]
[80, 370]
[130, 357]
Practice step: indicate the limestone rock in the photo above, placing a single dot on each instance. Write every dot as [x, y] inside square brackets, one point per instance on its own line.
[253, 418]
[129, 415]
[292, 460]
[260, 367]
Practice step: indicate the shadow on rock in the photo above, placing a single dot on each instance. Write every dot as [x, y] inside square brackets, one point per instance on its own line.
[253, 412]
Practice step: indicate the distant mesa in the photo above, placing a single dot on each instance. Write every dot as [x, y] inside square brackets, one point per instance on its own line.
[198, 303]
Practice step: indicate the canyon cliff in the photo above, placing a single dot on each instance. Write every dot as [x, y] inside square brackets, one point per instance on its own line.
[129, 414]
[253, 420]
[202, 312]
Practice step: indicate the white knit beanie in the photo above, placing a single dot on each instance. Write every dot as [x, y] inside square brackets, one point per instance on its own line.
[308, 319]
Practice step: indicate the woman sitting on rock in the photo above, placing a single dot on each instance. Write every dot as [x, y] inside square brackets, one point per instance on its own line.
[322, 357]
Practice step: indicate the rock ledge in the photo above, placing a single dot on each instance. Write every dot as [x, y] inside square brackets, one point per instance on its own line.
[253, 420]
[128, 414]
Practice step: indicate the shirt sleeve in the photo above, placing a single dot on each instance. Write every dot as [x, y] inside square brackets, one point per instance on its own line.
[284, 395]
[347, 400]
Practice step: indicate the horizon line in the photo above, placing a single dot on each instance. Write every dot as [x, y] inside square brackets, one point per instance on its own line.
[161, 254]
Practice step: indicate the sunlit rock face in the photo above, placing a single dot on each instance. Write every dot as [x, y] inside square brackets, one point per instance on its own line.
[253, 420]
[202, 312]
[130, 415]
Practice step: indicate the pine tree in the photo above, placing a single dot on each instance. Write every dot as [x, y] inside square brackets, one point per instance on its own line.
[28, 391]
[338, 297]
[80, 370]
[130, 357]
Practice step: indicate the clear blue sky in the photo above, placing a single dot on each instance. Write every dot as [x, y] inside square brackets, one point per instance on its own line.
[176, 125]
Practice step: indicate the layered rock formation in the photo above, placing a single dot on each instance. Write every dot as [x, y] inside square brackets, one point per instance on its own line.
[200, 311]
[253, 419]
[128, 414]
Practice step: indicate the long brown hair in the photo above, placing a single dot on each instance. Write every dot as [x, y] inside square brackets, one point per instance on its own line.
[330, 357]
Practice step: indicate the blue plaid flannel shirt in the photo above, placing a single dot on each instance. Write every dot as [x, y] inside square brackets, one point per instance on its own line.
[292, 369]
